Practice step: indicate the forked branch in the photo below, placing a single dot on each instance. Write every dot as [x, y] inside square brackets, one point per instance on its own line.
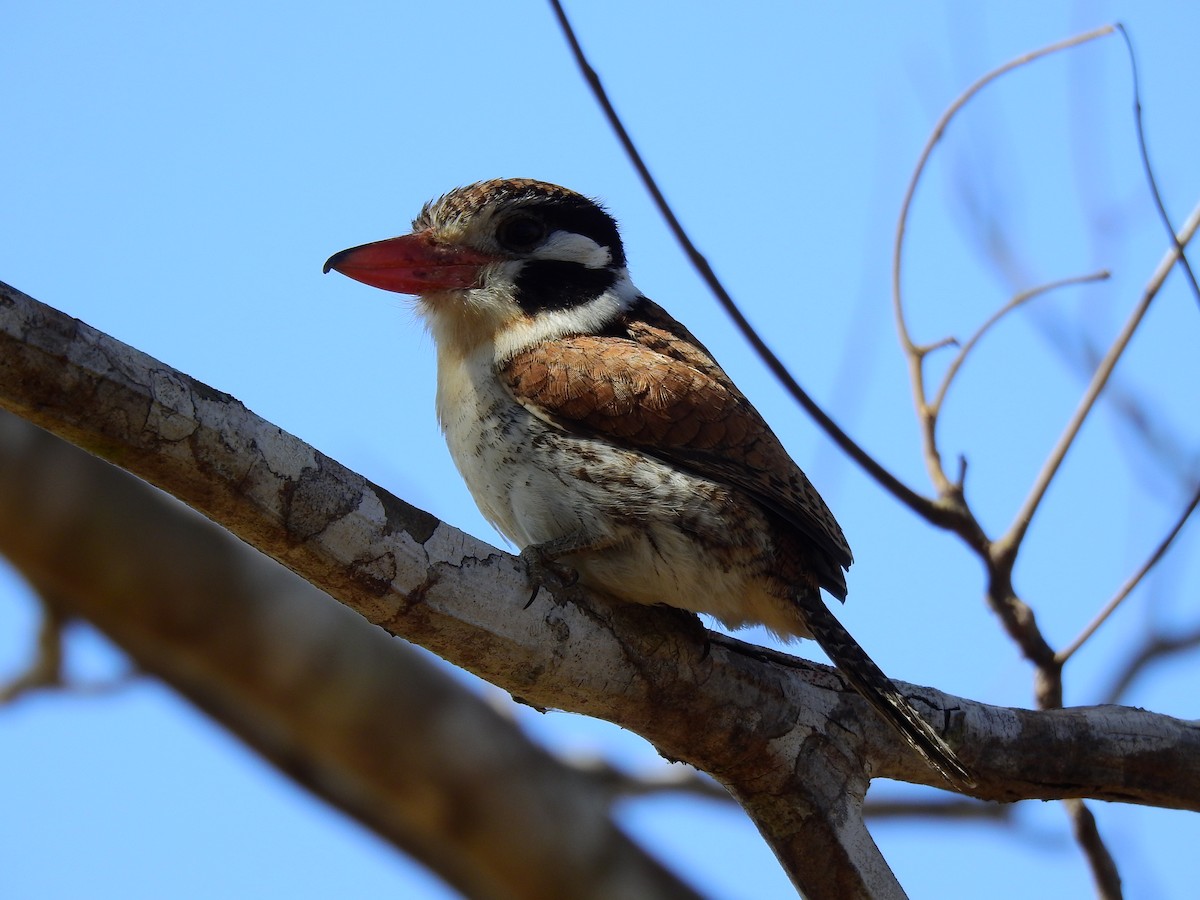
[948, 490]
[1006, 548]
[935, 408]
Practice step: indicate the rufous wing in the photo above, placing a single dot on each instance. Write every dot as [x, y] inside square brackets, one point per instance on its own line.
[646, 383]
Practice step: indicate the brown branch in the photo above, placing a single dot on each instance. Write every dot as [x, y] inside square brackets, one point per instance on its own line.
[45, 670]
[935, 138]
[935, 408]
[1154, 649]
[351, 714]
[1000, 557]
[953, 809]
[915, 354]
[1087, 835]
[923, 506]
[1077, 350]
[423, 580]
[681, 779]
[667, 779]
[1006, 548]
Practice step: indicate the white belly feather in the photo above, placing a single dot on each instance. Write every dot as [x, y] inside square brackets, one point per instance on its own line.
[535, 484]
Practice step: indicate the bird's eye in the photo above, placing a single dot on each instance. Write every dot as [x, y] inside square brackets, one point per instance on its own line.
[521, 233]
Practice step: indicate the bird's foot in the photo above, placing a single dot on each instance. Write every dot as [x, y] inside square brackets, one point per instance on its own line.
[544, 571]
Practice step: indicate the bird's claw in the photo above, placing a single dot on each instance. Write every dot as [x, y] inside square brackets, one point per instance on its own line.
[544, 572]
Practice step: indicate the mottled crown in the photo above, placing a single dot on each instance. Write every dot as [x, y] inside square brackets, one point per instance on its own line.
[563, 207]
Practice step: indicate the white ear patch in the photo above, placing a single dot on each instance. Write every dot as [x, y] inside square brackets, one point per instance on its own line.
[563, 246]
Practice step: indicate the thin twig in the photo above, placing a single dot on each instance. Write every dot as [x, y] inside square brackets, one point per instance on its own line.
[675, 779]
[1076, 348]
[912, 352]
[1141, 135]
[958, 808]
[923, 506]
[1006, 547]
[686, 780]
[46, 667]
[1134, 580]
[935, 137]
[945, 342]
[1087, 835]
[46, 671]
[1156, 648]
[1017, 301]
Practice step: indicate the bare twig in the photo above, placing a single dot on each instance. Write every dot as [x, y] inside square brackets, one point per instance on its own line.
[684, 779]
[958, 808]
[45, 669]
[1104, 868]
[1075, 348]
[921, 505]
[1155, 649]
[1019, 300]
[1007, 547]
[1145, 154]
[1134, 580]
[664, 779]
[913, 352]
[939, 131]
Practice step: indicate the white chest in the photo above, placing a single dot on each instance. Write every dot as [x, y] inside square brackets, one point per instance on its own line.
[658, 525]
[504, 453]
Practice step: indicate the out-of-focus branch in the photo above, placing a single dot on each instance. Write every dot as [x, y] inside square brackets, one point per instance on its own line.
[1000, 556]
[1155, 648]
[685, 780]
[935, 138]
[45, 669]
[350, 713]
[956, 809]
[1149, 170]
[1074, 346]
[1087, 835]
[665, 779]
[1014, 614]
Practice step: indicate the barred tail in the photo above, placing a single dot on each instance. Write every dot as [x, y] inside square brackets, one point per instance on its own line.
[878, 690]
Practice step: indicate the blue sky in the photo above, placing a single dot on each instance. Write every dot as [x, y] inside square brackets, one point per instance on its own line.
[176, 174]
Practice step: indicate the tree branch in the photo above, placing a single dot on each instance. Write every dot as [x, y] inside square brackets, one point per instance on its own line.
[348, 712]
[935, 408]
[916, 354]
[1006, 547]
[743, 715]
[1087, 835]
[1155, 648]
[45, 670]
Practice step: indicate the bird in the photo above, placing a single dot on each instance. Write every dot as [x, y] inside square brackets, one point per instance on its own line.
[596, 433]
